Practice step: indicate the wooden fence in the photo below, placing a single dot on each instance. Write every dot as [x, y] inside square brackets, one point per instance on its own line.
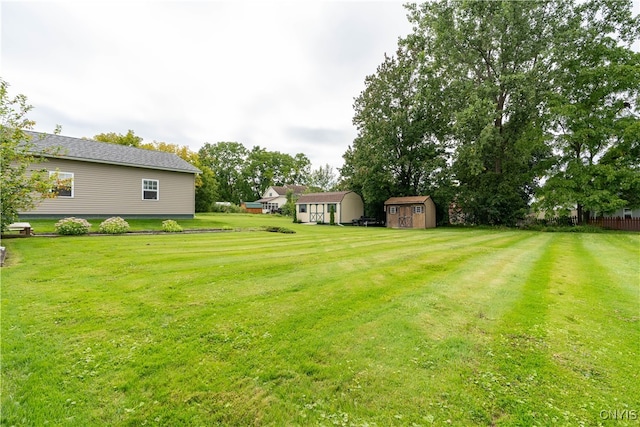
[615, 223]
[610, 223]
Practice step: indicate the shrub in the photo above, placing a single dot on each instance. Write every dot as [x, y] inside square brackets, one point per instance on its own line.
[224, 208]
[283, 230]
[114, 225]
[72, 226]
[170, 226]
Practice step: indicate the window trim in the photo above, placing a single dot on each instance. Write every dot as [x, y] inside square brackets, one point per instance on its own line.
[302, 208]
[418, 209]
[393, 210]
[59, 177]
[157, 189]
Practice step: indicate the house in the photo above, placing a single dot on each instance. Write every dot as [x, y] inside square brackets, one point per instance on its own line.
[410, 212]
[275, 197]
[623, 213]
[316, 207]
[97, 179]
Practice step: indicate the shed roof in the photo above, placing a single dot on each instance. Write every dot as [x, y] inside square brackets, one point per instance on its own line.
[65, 147]
[410, 200]
[254, 205]
[330, 197]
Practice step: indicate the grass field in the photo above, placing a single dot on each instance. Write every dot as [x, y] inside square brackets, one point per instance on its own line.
[328, 326]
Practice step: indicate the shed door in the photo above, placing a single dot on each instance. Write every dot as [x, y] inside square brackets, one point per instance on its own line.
[405, 218]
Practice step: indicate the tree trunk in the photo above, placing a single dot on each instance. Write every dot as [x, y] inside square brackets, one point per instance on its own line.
[579, 213]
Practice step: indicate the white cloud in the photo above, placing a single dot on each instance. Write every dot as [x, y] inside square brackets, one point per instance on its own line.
[277, 74]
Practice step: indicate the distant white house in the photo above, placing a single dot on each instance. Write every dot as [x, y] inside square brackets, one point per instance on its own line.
[627, 213]
[275, 197]
[99, 179]
[316, 207]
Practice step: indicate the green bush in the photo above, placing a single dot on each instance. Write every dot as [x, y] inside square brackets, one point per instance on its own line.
[170, 226]
[114, 225]
[72, 226]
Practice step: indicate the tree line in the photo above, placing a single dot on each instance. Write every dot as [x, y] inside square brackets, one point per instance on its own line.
[234, 173]
[500, 107]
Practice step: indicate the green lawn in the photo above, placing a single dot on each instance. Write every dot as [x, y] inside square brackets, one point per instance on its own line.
[328, 326]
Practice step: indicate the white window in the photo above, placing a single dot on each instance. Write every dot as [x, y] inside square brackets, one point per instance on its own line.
[393, 210]
[150, 189]
[63, 185]
[418, 209]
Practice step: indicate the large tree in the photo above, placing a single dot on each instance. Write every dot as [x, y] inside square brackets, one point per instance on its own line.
[509, 89]
[243, 175]
[21, 185]
[491, 59]
[323, 178]
[595, 112]
[266, 168]
[399, 118]
[227, 160]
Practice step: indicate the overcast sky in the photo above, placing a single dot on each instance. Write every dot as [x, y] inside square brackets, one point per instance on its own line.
[281, 75]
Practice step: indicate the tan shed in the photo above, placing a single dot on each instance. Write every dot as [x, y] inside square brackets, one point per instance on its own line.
[410, 212]
[316, 207]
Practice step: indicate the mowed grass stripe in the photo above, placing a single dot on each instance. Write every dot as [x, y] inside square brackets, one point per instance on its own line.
[552, 348]
[596, 323]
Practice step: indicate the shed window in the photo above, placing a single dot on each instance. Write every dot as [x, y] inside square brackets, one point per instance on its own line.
[418, 209]
[150, 189]
[302, 208]
[393, 210]
[63, 185]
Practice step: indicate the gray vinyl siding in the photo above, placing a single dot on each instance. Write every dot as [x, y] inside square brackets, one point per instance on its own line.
[105, 190]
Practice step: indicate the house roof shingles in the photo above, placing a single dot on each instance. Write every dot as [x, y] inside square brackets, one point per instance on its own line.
[330, 197]
[297, 189]
[87, 150]
[410, 200]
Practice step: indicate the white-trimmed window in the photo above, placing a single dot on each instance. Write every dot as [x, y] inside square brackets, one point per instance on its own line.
[393, 210]
[302, 208]
[63, 185]
[150, 189]
[418, 209]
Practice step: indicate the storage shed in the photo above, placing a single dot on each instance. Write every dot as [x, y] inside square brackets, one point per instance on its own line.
[410, 212]
[316, 207]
